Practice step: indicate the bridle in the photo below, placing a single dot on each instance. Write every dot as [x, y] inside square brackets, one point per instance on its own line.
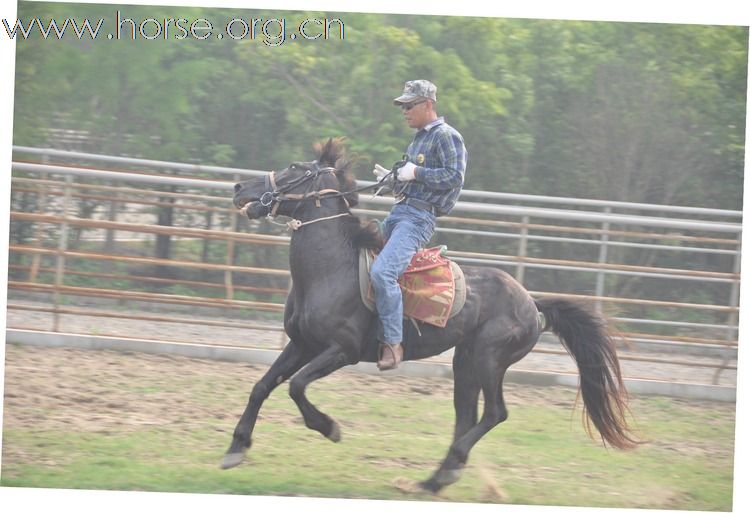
[274, 195]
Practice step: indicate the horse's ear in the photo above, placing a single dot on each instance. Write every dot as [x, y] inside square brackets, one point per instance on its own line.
[323, 152]
[331, 152]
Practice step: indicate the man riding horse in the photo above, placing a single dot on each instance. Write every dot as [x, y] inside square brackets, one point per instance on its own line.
[330, 326]
[428, 182]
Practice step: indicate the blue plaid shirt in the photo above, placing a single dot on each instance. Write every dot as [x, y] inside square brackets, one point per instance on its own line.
[440, 156]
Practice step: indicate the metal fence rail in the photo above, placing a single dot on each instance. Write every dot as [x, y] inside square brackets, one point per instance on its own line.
[196, 169]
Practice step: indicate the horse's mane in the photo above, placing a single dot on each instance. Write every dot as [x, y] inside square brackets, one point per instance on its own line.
[332, 153]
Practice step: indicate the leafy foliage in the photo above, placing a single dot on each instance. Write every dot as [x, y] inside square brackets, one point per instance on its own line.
[627, 111]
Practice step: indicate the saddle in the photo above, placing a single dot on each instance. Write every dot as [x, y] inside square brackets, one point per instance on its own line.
[433, 287]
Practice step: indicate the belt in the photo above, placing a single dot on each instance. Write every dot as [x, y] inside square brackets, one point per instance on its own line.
[420, 204]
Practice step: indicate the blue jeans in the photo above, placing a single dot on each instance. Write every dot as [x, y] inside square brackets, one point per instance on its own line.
[406, 229]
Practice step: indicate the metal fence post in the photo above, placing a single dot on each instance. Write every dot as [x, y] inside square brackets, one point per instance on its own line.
[734, 294]
[600, 275]
[110, 238]
[62, 247]
[39, 228]
[734, 302]
[522, 248]
[228, 278]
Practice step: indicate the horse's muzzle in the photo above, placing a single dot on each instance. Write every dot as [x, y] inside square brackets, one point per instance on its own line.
[254, 207]
[256, 210]
[253, 191]
[241, 201]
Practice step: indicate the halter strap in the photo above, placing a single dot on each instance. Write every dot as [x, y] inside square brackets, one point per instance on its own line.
[276, 195]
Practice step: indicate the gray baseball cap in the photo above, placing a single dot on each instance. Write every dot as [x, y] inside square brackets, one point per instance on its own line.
[415, 89]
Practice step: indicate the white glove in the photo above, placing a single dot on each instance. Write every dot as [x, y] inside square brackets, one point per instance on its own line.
[380, 172]
[407, 172]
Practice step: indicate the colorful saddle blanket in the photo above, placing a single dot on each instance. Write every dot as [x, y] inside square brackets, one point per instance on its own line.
[434, 288]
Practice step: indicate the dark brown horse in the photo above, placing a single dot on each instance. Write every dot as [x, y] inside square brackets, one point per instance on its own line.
[329, 327]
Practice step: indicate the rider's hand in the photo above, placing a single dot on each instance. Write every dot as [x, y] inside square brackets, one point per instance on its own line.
[407, 172]
[380, 172]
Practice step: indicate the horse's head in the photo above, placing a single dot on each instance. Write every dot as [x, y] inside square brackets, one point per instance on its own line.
[281, 192]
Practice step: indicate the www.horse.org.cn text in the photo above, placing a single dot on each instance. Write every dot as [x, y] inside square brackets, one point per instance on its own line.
[272, 31]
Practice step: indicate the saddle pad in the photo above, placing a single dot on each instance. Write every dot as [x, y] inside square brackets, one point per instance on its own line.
[427, 259]
[433, 287]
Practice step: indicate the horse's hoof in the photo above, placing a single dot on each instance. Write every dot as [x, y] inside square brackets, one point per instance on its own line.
[447, 477]
[441, 479]
[232, 459]
[430, 485]
[335, 434]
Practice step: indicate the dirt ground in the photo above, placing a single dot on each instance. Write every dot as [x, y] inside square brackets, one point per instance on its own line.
[102, 392]
[88, 390]
[93, 391]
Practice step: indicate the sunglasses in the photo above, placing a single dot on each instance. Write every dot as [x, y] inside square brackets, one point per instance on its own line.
[409, 106]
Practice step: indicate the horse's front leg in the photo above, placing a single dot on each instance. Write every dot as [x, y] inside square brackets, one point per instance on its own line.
[325, 363]
[291, 359]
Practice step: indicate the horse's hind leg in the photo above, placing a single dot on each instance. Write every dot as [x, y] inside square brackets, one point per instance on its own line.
[489, 371]
[322, 365]
[465, 392]
[466, 389]
[291, 359]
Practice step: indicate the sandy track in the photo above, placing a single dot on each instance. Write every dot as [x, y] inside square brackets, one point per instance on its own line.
[196, 333]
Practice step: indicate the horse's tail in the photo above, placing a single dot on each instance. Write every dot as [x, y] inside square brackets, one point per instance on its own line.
[585, 335]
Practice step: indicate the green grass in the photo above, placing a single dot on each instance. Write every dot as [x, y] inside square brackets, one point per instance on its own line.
[540, 456]
[538, 446]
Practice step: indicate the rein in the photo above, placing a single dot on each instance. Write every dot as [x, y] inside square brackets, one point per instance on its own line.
[296, 224]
